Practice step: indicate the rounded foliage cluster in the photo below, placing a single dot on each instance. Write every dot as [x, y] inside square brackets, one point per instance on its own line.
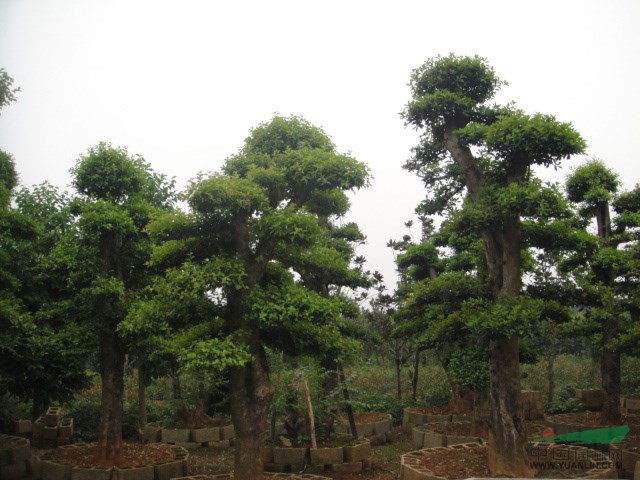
[108, 173]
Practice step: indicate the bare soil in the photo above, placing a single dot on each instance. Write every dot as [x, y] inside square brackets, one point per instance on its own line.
[134, 455]
[593, 419]
[466, 463]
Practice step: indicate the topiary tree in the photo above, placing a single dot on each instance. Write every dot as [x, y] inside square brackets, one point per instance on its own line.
[106, 258]
[260, 217]
[485, 153]
[606, 272]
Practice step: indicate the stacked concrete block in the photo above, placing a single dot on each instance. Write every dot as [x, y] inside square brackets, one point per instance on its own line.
[50, 430]
[37, 433]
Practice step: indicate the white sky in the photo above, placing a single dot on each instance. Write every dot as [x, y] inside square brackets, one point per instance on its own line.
[182, 82]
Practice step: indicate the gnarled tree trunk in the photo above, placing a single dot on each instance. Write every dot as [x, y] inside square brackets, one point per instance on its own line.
[507, 434]
[508, 440]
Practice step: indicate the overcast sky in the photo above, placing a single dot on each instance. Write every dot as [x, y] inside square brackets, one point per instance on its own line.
[182, 82]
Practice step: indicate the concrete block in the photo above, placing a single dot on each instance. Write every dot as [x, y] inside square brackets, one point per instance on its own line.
[23, 426]
[52, 417]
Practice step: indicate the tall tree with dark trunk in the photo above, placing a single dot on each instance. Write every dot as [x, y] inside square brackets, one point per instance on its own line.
[262, 216]
[110, 249]
[605, 283]
[486, 152]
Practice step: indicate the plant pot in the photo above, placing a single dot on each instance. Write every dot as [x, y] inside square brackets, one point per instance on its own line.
[175, 435]
[359, 452]
[326, 455]
[291, 458]
[135, 473]
[151, 433]
[203, 435]
[90, 473]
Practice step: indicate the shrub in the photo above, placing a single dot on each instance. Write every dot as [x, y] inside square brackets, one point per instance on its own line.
[86, 420]
[437, 394]
[565, 401]
[131, 422]
[12, 409]
[630, 375]
[160, 411]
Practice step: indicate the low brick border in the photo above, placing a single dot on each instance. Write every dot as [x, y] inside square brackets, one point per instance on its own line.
[229, 476]
[348, 458]
[412, 417]
[380, 429]
[425, 436]
[52, 470]
[563, 424]
[15, 457]
[411, 467]
[189, 438]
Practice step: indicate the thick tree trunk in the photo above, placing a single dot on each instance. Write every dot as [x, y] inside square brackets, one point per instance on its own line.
[250, 388]
[112, 359]
[507, 447]
[507, 434]
[251, 393]
[610, 372]
[112, 354]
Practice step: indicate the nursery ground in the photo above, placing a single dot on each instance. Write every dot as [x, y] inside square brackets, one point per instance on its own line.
[385, 461]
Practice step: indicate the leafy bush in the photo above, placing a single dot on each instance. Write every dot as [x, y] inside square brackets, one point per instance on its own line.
[12, 409]
[160, 389]
[565, 401]
[572, 371]
[387, 404]
[437, 394]
[86, 420]
[160, 411]
[630, 375]
[469, 368]
[130, 422]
